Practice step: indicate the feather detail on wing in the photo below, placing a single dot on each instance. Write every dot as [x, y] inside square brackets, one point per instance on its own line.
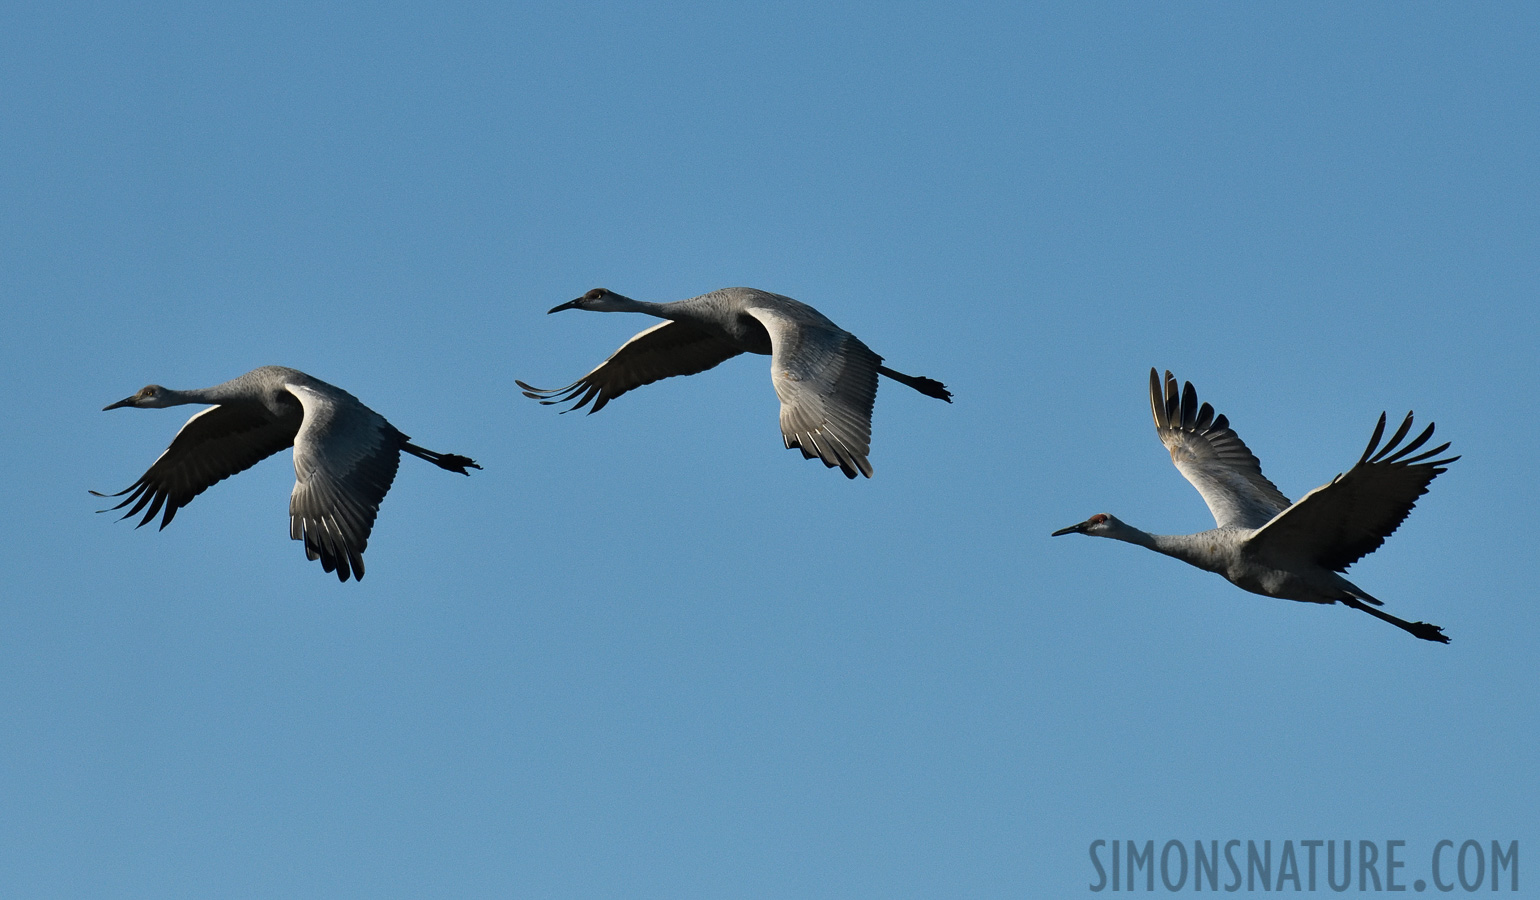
[1339, 523]
[213, 445]
[1212, 457]
[827, 382]
[345, 458]
[662, 351]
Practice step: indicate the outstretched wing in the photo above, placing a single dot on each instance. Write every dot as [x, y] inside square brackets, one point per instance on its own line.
[1213, 457]
[345, 458]
[1341, 522]
[827, 382]
[214, 444]
[662, 351]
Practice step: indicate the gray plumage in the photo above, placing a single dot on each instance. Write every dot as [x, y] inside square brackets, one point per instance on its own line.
[345, 457]
[1265, 544]
[824, 376]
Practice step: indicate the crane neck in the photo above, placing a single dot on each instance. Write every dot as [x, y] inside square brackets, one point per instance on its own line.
[226, 392]
[253, 387]
[1193, 549]
[202, 395]
[622, 303]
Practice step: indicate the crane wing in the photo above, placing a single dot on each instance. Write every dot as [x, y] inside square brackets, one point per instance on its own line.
[213, 445]
[827, 381]
[345, 458]
[1212, 456]
[1339, 523]
[662, 351]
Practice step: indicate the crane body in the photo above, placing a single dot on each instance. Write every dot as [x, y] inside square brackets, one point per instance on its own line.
[1265, 544]
[345, 456]
[825, 377]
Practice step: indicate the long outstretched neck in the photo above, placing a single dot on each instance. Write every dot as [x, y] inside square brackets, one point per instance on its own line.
[1128, 534]
[219, 393]
[620, 303]
[1186, 547]
[930, 387]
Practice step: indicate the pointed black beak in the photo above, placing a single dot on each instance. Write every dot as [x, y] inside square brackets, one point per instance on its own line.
[126, 401]
[1073, 529]
[570, 304]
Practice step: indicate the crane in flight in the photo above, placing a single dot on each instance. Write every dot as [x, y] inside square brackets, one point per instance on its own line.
[825, 377]
[345, 457]
[1263, 543]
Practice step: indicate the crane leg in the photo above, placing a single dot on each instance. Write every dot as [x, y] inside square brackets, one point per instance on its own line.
[1416, 629]
[930, 387]
[454, 462]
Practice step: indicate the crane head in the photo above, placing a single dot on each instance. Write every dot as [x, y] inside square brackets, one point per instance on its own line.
[597, 300]
[151, 396]
[1096, 526]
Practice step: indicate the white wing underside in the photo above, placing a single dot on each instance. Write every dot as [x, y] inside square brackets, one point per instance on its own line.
[1213, 458]
[1233, 497]
[826, 380]
[345, 458]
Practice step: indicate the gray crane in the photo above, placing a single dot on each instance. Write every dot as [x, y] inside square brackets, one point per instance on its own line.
[1263, 543]
[825, 377]
[345, 456]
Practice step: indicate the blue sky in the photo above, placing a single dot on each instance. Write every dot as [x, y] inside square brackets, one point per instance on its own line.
[651, 653]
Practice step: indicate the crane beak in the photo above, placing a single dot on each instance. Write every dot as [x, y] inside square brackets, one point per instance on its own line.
[126, 401]
[570, 304]
[1073, 529]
